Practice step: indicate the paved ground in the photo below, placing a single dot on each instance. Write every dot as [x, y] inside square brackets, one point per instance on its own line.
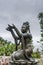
[40, 61]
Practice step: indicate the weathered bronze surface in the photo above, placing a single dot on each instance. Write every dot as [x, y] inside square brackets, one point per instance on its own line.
[22, 56]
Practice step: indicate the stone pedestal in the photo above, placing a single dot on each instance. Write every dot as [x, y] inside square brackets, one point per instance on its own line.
[22, 62]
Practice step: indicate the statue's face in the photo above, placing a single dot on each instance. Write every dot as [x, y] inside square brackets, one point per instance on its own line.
[23, 29]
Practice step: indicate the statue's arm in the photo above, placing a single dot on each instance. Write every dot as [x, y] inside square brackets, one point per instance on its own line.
[13, 34]
[17, 31]
[9, 28]
[15, 38]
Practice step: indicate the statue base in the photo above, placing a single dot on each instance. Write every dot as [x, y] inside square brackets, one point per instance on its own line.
[23, 62]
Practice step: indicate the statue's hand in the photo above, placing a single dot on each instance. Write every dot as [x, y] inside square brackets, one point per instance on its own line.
[9, 28]
[13, 25]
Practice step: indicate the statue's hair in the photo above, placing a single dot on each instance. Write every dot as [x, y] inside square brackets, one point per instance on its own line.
[27, 23]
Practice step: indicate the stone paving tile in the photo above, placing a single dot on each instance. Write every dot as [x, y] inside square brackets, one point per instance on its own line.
[5, 61]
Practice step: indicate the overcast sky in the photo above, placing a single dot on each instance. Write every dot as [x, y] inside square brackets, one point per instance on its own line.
[18, 11]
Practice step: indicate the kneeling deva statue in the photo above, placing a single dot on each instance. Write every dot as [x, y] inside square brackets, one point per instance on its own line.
[22, 56]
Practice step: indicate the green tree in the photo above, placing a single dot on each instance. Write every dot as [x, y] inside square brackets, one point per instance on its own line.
[6, 47]
[40, 16]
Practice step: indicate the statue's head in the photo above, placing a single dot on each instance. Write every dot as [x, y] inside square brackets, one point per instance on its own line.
[25, 27]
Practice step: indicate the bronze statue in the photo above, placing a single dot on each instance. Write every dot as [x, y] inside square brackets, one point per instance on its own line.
[25, 39]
